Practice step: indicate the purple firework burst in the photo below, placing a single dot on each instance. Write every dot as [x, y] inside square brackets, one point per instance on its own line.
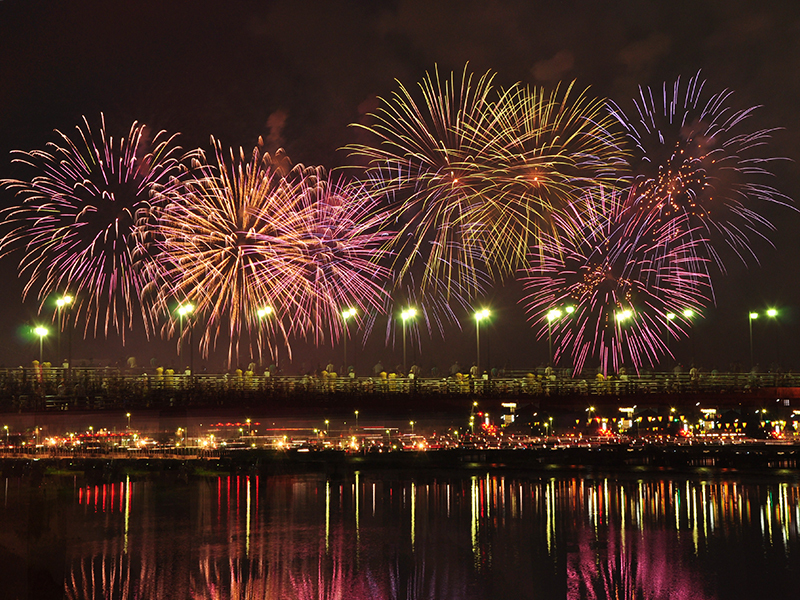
[598, 289]
[696, 161]
[82, 225]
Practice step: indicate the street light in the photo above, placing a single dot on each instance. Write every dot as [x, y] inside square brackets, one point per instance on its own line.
[772, 313]
[688, 314]
[479, 316]
[356, 420]
[350, 312]
[670, 317]
[751, 317]
[552, 315]
[128, 417]
[408, 313]
[41, 332]
[262, 314]
[186, 310]
[64, 302]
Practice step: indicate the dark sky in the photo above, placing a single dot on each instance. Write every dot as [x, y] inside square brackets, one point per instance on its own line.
[297, 73]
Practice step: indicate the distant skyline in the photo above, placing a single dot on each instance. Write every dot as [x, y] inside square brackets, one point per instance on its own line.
[298, 74]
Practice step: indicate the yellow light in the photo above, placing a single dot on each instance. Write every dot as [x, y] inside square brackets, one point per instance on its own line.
[408, 313]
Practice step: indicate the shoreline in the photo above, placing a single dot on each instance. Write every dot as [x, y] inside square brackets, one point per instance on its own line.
[761, 459]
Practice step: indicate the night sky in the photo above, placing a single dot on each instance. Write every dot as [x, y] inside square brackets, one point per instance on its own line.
[298, 73]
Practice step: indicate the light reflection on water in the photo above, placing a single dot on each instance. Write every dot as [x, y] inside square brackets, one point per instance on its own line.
[381, 535]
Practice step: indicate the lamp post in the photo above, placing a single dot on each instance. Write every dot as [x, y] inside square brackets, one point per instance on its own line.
[689, 314]
[186, 310]
[262, 314]
[479, 316]
[356, 420]
[772, 313]
[346, 314]
[408, 313]
[552, 315]
[64, 302]
[621, 317]
[670, 317]
[41, 332]
[750, 317]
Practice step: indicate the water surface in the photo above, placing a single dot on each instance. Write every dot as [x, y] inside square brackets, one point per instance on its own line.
[389, 535]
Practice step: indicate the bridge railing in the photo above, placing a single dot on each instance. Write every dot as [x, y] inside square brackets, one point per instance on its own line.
[101, 387]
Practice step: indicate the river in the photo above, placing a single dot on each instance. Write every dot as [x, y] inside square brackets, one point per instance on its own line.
[392, 534]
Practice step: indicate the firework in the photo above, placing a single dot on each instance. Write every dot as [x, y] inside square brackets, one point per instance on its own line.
[338, 238]
[477, 171]
[697, 158]
[425, 157]
[218, 243]
[613, 287]
[245, 234]
[545, 150]
[82, 223]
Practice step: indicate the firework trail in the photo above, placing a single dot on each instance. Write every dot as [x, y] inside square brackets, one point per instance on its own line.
[338, 241]
[246, 233]
[697, 158]
[82, 225]
[474, 173]
[545, 151]
[619, 286]
[219, 245]
[424, 158]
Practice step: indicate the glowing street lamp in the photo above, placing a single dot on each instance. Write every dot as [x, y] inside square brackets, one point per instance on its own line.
[772, 313]
[552, 315]
[346, 314]
[186, 310]
[408, 313]
[64, 303]
[263, 313]
[689, 314]
[750, 318]
[479, 316]
[623, 316]
[41, 332]
[670, 318]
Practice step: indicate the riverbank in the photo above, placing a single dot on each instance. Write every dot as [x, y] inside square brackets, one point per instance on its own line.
[750, 458]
